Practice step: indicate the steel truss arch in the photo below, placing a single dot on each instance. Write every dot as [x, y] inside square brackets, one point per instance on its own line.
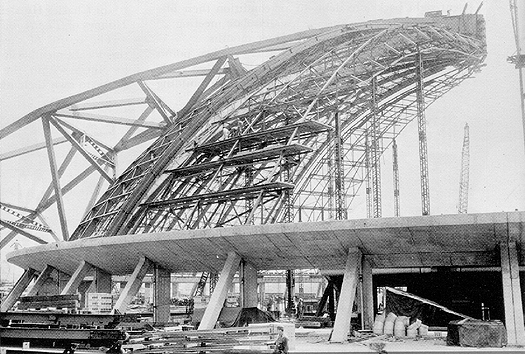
[252, 146]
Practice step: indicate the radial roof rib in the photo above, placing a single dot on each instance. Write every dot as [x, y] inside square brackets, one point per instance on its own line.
[152, 74]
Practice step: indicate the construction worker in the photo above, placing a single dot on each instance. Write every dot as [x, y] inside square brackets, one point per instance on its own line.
[70, 348]
[116, 348]
[281, 343]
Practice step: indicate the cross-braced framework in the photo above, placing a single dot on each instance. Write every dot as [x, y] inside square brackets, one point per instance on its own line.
[283, 142]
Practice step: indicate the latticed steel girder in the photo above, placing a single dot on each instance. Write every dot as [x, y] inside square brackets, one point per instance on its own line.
[247, 145]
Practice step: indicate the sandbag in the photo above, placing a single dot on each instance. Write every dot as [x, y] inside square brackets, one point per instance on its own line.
[379, 324]
[389, 324]
[400, 326]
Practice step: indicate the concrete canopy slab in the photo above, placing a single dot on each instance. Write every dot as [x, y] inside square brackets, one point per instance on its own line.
[424, 241]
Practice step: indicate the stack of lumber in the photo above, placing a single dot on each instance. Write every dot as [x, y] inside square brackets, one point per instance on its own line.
[224, 340]
[49, 301]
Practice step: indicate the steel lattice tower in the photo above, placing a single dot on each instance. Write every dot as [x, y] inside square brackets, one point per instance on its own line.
[395, 167]
[464, 177]
[422, 134]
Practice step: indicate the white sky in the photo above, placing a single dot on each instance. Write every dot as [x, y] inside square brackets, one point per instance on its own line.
[53, 49]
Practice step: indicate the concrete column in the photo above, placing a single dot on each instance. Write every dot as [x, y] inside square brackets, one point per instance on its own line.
[262, 295]
[83, 289]
[102, 282]
[77, 277]
[133, 285]
[248, 285]
[368, 294]
[41, 280]
[18, 289]
[62, 280]
[211, 314]
[346, 297]
[162, 295]
[512, 293]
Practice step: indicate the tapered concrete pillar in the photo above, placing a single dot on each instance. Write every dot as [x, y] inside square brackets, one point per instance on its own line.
[211, 314]
[346, 297]
[368, 294]
[248, 285]
[133, 285]
[77, 277]
[512, 293]
[161, 297]
[41, 280]
[18, 289]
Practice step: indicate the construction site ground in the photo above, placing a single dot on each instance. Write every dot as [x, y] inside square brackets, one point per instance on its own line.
[316, 341]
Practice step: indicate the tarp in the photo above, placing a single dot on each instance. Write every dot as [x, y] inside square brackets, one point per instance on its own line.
[476, 333]
[237, 316]
[430, 313]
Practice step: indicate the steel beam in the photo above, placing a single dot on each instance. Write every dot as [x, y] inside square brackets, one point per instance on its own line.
[28, 149]
[56, 178]
[19, 231]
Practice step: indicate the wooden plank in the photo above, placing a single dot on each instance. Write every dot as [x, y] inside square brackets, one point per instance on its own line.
[36, 298]
[44, 304]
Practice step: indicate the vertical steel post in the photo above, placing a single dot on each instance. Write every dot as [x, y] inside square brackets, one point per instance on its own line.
[396, 178]
[375, 154]
[339, 171]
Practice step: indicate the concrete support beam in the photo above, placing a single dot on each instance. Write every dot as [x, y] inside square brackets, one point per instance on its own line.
[133, 285]
[512, 294]
[77, 277]
[346, 297]
[211, 314]
[41, 280]
[248, 284]
[368, 294]
[161, 295]
[18, 289]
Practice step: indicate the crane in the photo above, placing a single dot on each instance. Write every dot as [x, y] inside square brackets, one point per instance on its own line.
[464, 176]
[517, 13]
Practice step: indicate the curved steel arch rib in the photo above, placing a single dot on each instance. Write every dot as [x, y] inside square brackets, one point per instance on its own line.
[255, 147]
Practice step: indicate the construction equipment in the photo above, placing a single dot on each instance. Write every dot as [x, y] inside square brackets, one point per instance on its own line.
[518, 60]
[464, 177]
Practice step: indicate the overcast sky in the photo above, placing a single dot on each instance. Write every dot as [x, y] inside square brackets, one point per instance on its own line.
[54, 49]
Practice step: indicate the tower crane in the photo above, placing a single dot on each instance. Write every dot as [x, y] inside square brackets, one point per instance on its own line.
[464, 177]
